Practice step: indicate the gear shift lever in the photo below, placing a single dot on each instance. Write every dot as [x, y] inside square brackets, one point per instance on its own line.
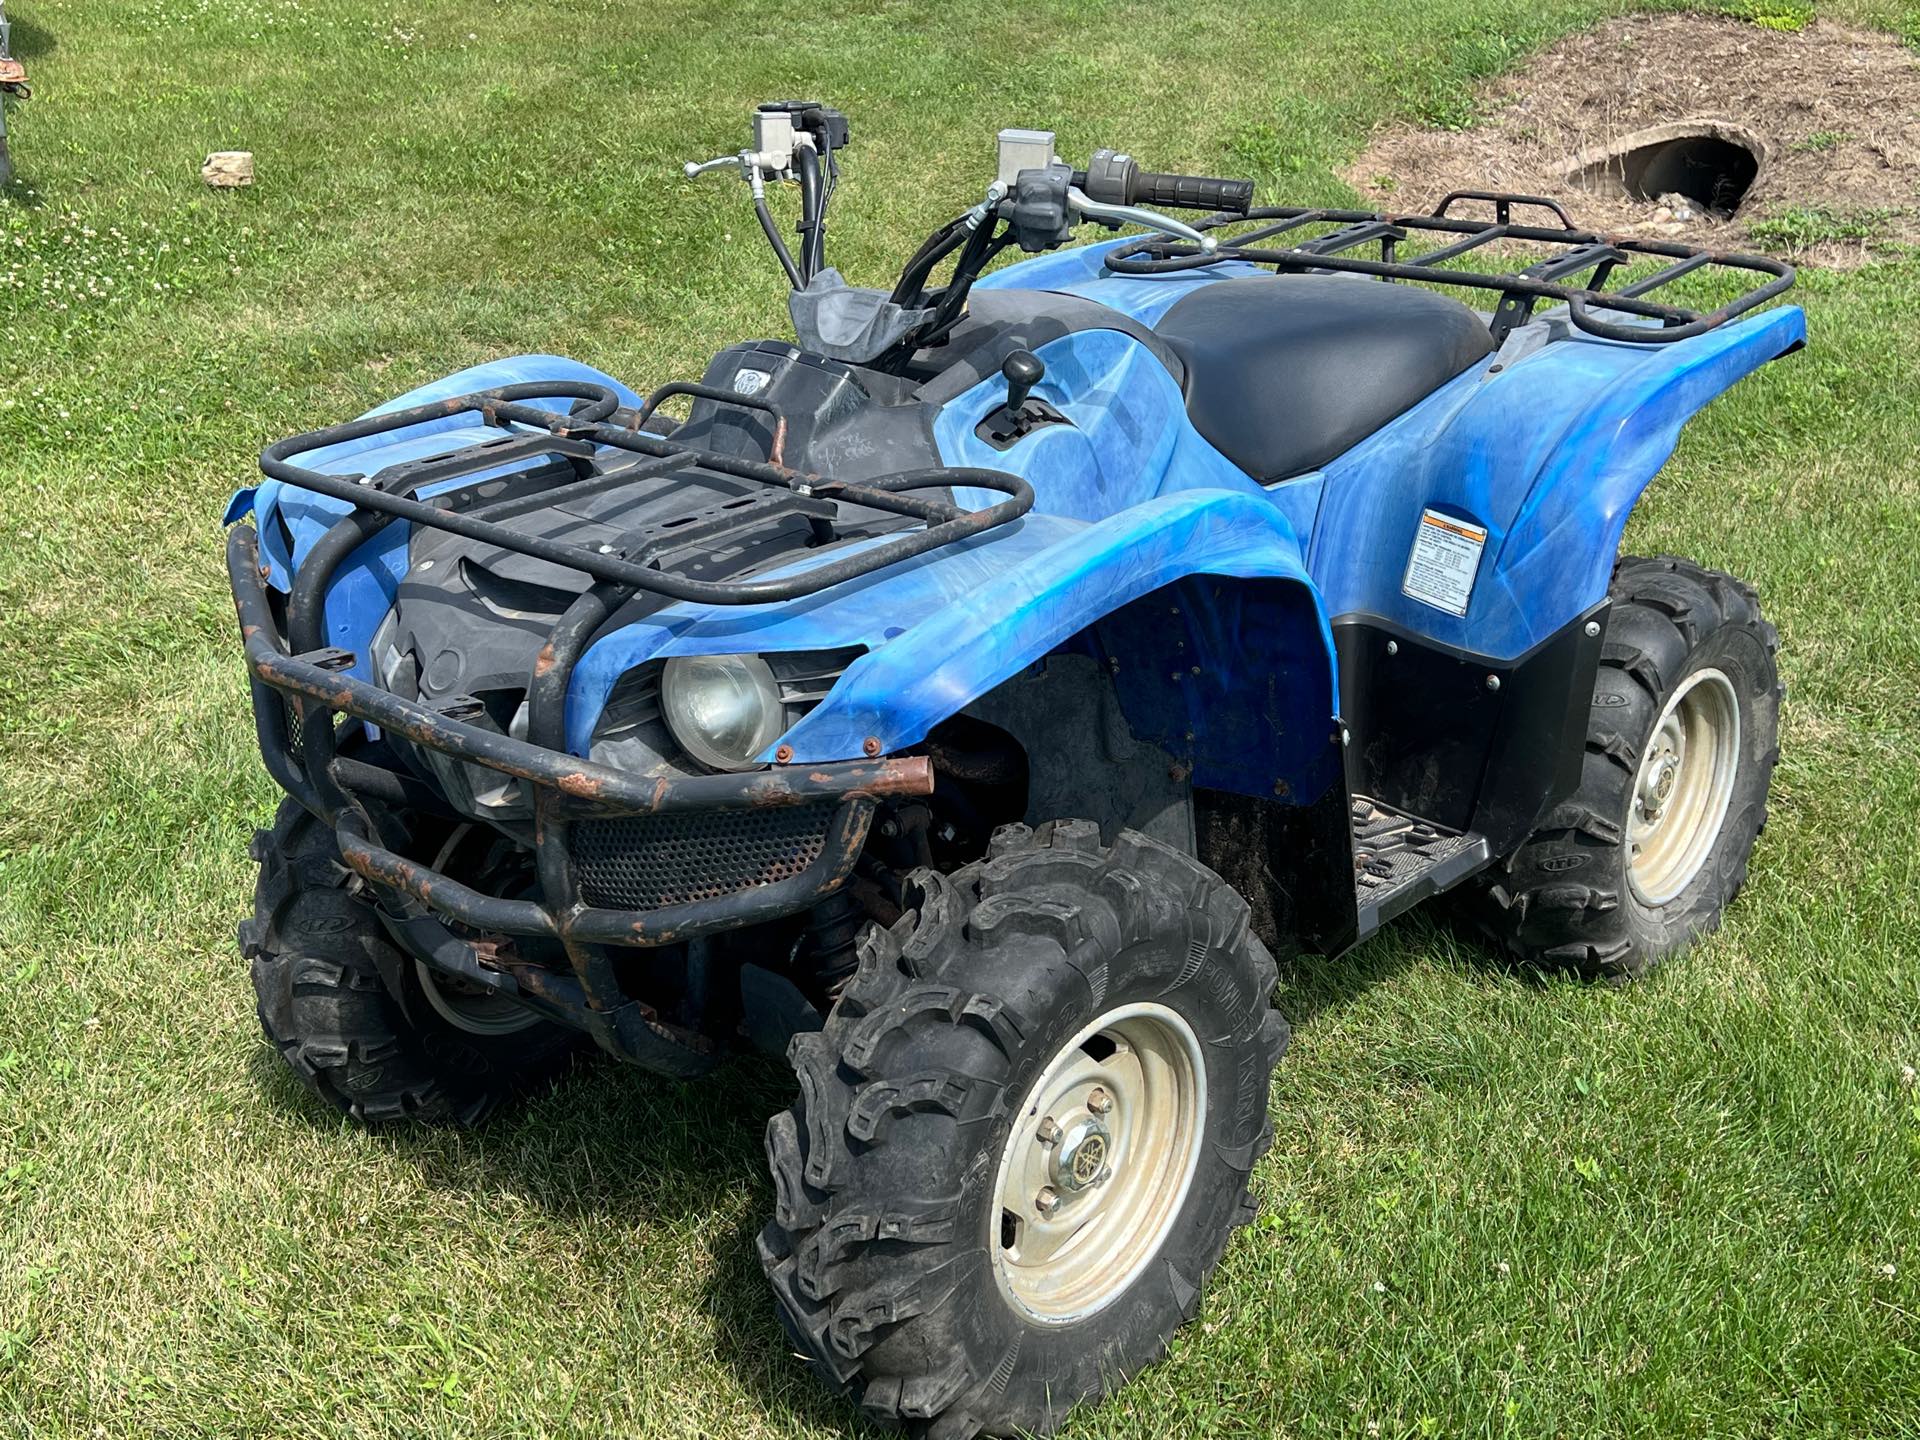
[1023, 370]
[1022, 414]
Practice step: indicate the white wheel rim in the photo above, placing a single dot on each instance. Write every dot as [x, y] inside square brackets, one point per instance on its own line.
[476, 1011]
[466, 1006]
[1098, 1165]
[1684, 786]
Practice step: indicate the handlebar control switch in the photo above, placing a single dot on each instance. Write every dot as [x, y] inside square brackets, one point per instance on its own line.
[1022, 414]
[1037, 208]
[1036, 184]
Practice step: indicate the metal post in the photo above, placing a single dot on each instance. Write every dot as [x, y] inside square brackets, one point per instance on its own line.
[12, 73]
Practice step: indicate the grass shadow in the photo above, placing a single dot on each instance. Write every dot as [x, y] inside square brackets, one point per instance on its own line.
[606, 1139]
[1312, 985]
[616, 1143]
[620, 1144]
[783, 1383]
[29, 41]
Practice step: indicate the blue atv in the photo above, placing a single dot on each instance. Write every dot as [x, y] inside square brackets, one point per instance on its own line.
[968, 698]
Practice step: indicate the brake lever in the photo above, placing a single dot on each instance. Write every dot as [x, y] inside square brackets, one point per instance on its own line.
[1080, 204]
[695, 168]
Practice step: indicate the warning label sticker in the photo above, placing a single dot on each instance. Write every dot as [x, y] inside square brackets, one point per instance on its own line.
[1445, 559]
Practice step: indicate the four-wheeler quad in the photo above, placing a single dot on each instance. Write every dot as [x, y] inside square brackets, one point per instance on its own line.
[967, 698]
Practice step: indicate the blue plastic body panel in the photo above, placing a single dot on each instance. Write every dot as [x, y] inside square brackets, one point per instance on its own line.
[942, 631]
[1130, 439]
[364, 586]
[1549, 454]
[1082, 271]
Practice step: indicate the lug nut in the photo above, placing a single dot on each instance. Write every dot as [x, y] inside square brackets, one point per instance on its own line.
[1049, 1131]
[1047, 1201]
[1099, 1102]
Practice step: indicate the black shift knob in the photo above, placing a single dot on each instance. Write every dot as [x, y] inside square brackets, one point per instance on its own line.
[1023, 370]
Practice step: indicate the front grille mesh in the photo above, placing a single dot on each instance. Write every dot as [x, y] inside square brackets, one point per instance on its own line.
[641, 862]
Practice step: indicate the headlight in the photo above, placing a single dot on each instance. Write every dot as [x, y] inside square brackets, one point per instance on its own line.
[723, 709]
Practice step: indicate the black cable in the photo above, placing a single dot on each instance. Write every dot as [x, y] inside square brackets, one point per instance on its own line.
[982, 246]
[812, 234]
[911, 286]
[779, 246]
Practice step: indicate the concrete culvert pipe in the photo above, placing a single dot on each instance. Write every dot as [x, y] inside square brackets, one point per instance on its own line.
[1711, 163]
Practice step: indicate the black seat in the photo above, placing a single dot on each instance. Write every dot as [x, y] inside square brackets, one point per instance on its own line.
[1285, 373]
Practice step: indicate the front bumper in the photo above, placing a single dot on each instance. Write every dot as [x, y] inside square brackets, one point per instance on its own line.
[296, 698]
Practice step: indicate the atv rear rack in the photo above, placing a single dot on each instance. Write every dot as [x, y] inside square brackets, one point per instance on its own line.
[529, 433]
[1574, 252]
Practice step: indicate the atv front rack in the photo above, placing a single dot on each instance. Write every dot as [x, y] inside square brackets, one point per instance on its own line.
[530, 433]
[803, 826]
[1571, 253]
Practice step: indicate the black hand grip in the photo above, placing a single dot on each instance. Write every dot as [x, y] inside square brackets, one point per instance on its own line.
[1192, 192]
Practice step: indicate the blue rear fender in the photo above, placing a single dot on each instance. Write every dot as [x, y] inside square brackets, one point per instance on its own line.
[1550, 452]
[942, 631]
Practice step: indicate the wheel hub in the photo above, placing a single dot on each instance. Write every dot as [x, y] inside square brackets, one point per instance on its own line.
[1657, 783]
[1080, 1160]
[1096, 1167]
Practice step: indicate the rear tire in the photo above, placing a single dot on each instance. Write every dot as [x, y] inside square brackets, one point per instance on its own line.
[320, 959]
[1682, 739]
[908, 1253]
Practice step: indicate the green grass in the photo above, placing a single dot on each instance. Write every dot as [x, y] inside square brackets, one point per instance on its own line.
[1495, 1207]
[1790, 16]
[1821, 141]
[1801, 227]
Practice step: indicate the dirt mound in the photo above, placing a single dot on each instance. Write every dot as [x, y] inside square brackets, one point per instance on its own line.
[1831, 116]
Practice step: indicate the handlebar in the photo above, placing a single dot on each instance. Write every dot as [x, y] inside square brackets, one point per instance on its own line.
[1035, 201]
[1196, 192]
[1114, 179]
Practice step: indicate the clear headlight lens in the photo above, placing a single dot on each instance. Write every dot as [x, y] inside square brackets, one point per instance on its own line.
[723, 709]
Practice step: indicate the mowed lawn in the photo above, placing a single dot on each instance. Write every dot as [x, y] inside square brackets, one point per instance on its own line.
[1495, 1206]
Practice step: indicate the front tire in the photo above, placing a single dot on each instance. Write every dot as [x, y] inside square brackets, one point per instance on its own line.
[1059, 1035]
[320, 959]
[1681, 743]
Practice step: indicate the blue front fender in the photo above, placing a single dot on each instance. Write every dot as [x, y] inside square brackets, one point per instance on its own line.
[944, 630]
[291, 520]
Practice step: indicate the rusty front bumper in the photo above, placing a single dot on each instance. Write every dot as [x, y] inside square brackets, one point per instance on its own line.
[566, 790]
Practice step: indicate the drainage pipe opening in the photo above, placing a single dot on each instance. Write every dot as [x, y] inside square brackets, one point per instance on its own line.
[1711, 164]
